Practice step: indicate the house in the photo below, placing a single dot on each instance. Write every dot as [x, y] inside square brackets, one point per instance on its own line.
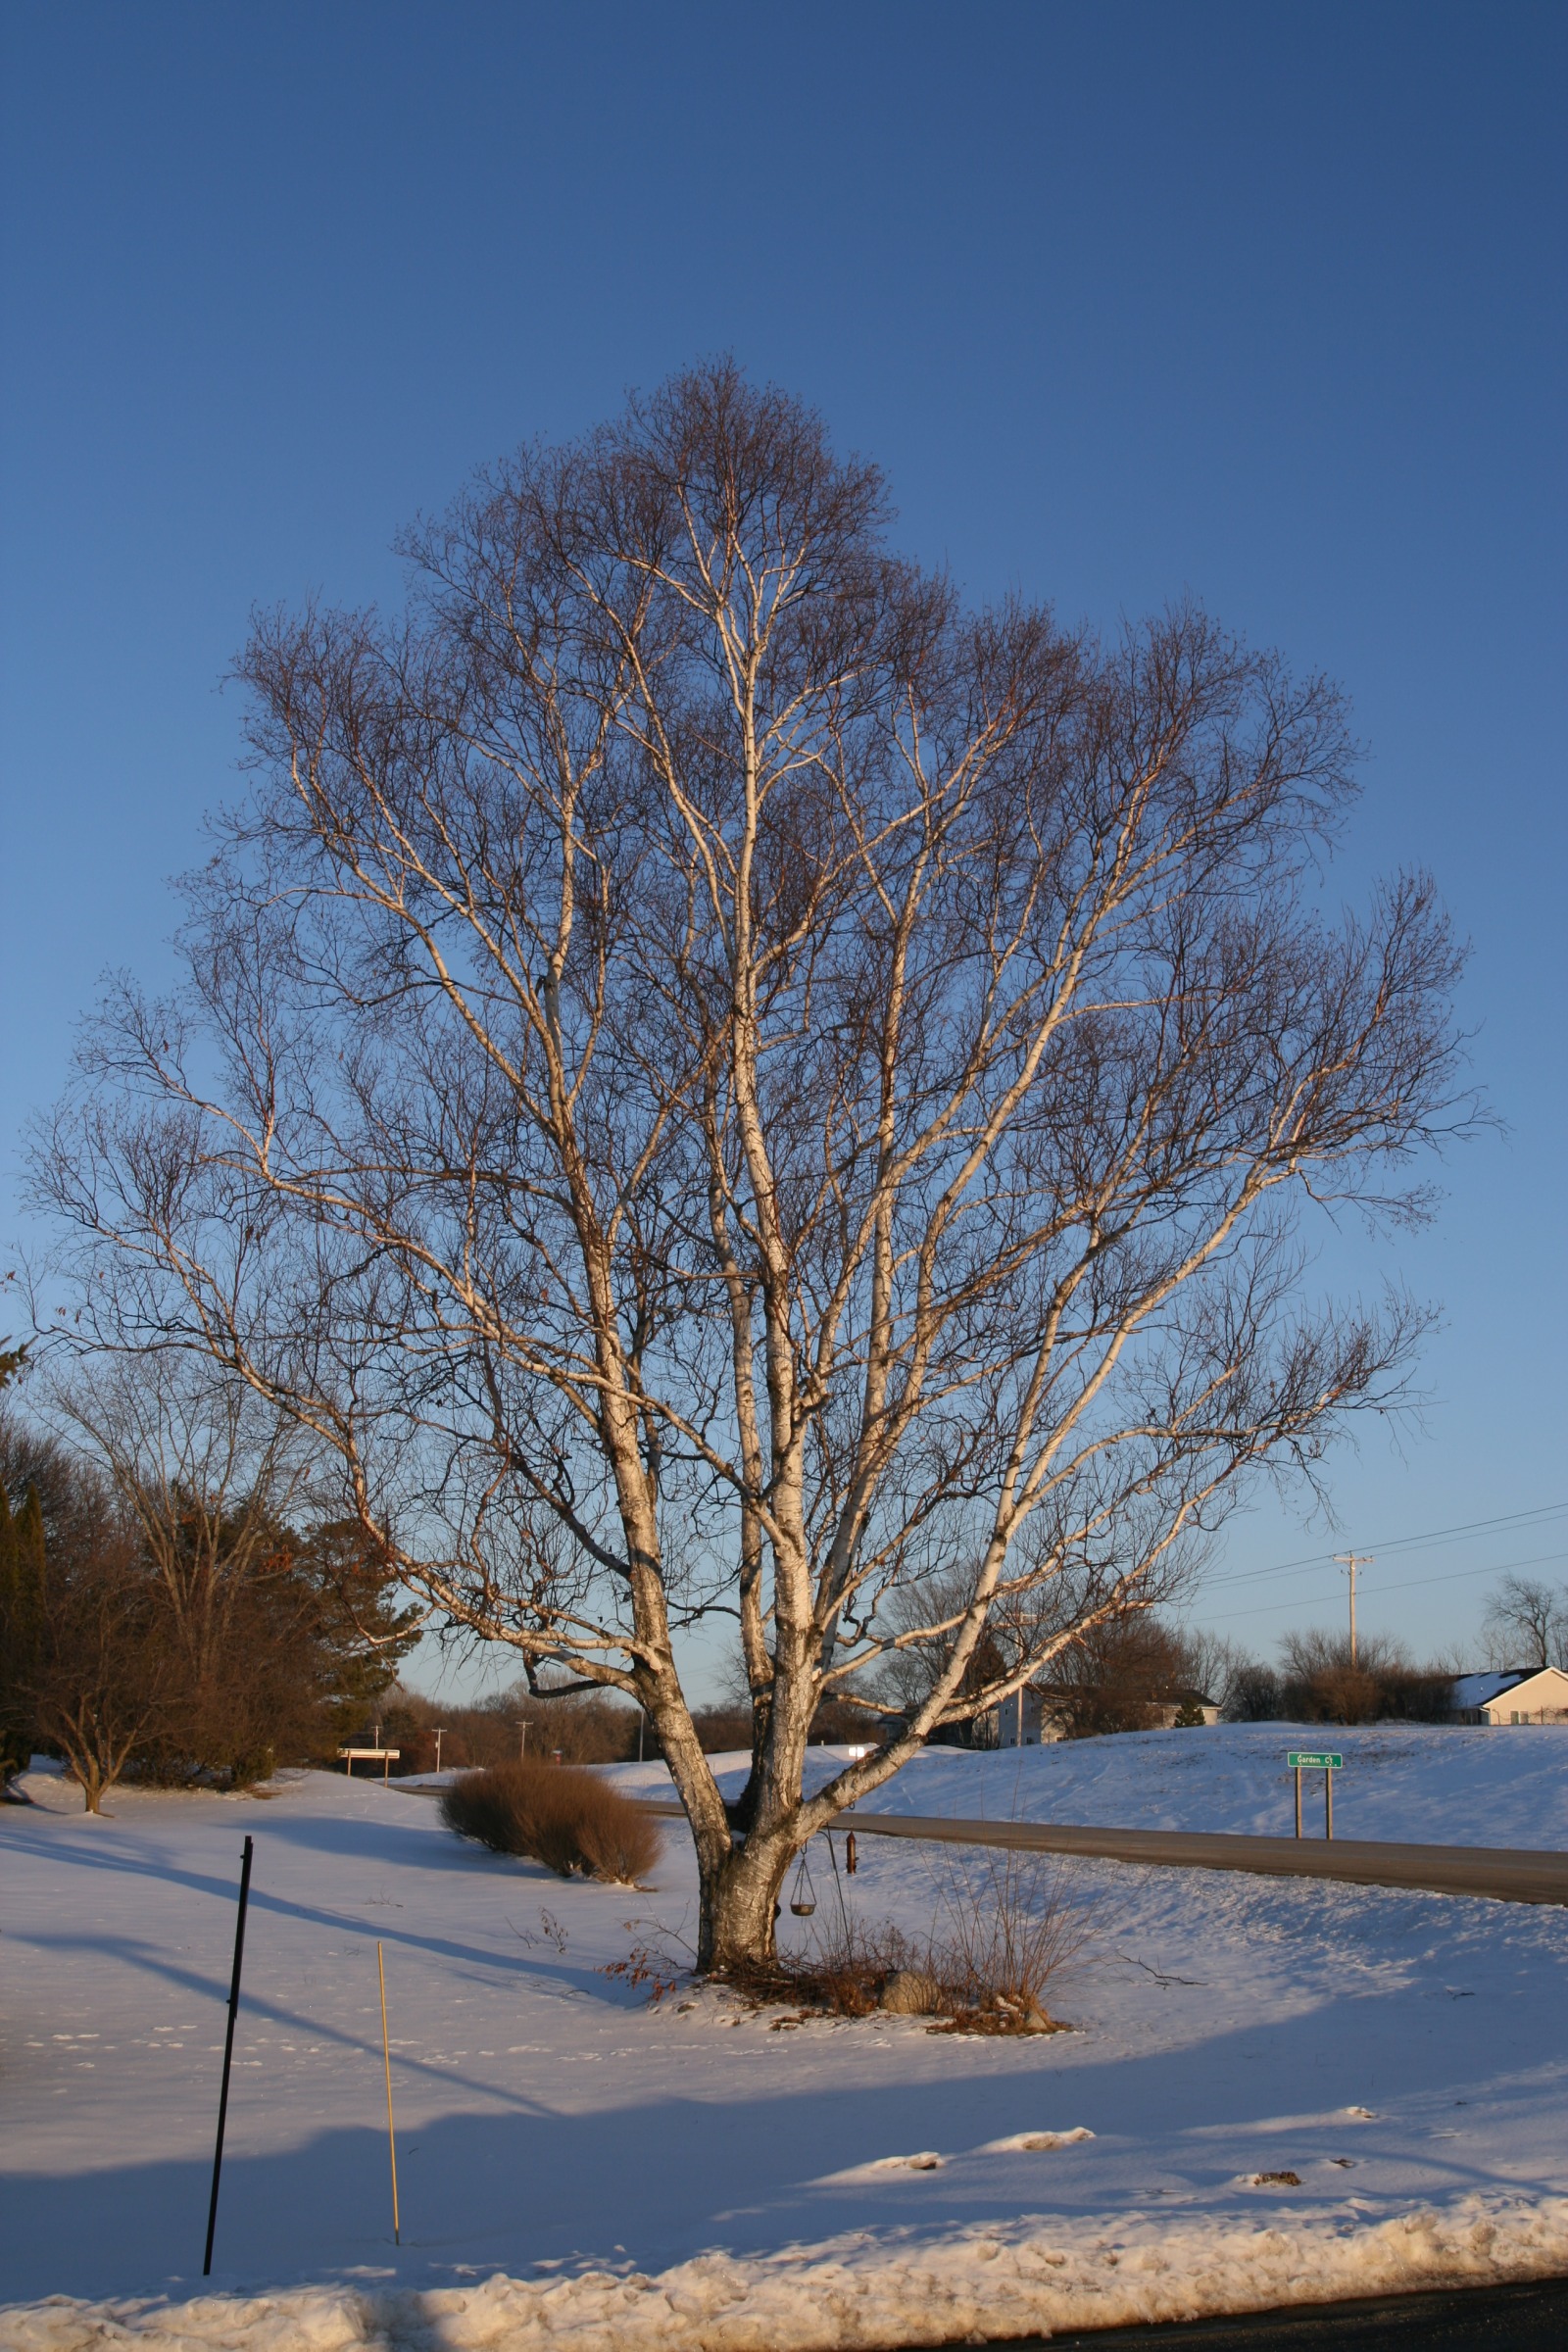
[1042, 1716]
[1522, 1695]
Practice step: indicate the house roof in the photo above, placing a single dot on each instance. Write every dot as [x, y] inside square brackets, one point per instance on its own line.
[1480, 1689]
[1143, 1694]
[1474, 1690]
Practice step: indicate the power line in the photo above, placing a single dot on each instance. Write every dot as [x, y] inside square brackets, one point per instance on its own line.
[1410, 1585]
[1434, 1535]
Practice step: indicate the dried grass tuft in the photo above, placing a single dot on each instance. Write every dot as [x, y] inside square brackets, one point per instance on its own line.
[570, 1820]
[843, 1972]
[1008, 1926]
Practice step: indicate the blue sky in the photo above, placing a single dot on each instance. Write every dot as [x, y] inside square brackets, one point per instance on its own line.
[1264, 304]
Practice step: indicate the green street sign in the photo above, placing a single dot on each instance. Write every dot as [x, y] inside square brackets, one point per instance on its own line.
[1304, 1762]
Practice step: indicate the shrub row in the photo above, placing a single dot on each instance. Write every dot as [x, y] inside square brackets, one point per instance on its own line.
[552, 1813]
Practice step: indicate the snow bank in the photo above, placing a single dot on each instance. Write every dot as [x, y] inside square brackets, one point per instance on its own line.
[1428, 1783]
[848, 2294]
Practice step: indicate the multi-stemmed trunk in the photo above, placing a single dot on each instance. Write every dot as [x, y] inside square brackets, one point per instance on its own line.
[744, 1848]
[739, 1895]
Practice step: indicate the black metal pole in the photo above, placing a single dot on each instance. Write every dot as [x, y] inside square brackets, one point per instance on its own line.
[838, 1887]
[228, 2053]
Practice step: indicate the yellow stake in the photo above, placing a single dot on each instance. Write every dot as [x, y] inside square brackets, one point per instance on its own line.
[391, 2136]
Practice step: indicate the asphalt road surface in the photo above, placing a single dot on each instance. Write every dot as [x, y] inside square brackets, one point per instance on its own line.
[1508, 1874]
[1533, 2317]
[1512, 1874]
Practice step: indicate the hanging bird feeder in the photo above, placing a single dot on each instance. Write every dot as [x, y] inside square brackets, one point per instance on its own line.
[803, 1897]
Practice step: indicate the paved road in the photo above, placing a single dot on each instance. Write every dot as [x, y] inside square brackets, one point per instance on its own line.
[1475, 2319]
[1510, 1874]
[1507, 1873]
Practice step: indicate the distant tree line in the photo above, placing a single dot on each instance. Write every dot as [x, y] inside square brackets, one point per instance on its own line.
[1318, 1681]
[579, 1726]
[1126, 1673]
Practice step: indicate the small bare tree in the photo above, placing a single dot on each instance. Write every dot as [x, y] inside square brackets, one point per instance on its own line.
[712, 1078]
[204, 1467]
[1526, 1623]
[102, 1674]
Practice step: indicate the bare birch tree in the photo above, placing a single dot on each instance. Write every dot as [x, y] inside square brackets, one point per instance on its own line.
[712, 1078]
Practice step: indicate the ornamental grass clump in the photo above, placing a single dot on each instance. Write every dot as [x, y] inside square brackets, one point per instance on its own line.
[571, 1821]
[1010, 1924]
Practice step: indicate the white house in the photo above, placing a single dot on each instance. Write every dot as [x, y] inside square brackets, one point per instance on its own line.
[1039, 1717]
[1523, 1695]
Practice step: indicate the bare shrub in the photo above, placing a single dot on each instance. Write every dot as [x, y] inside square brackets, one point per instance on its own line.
[558, 1815]
[646, 1965]
[1323, 1684]
[619, 1840]
[854, 1962]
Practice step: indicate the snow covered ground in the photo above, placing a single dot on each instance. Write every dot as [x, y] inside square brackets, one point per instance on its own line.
[579, 2169]
[1431, 1783]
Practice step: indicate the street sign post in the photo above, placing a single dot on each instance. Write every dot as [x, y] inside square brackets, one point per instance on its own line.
[1315, 1761]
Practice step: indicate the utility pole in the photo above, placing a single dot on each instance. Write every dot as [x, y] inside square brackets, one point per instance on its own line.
[439, 1729]
[522, 1751]
[1350, 1561]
